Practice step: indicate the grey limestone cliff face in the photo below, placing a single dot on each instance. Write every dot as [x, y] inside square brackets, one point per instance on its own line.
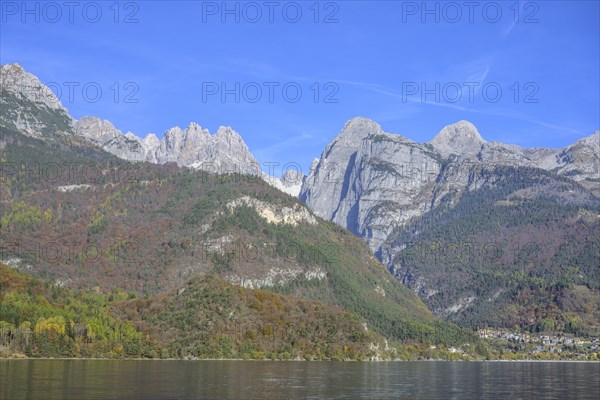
[290, 182]
[194, 147]
[28, 106]
[461, 138]
[27, 87]
[105, 135]
[371, 182]
[580, 161]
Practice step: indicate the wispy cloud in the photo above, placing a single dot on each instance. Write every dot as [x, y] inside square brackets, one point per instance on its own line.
[379, 89]
[508, 30]
[479, 76]
[476, 70]
[520, 117]
[283, 151]
[283, 144]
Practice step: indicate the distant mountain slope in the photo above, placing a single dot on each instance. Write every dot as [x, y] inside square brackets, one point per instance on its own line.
[383, 186]
[521, 250]
[194, 147]
[371, 181]
[28, 106]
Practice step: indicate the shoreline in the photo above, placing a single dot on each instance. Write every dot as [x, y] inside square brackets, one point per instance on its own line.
[308, 361]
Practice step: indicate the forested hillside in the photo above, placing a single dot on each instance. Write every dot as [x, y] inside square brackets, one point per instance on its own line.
[520, 251]
[40, 319]
[207, 318]
[147, 229]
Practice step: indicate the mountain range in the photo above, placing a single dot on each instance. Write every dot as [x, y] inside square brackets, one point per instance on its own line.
[193, 250]
[193, 147]
[485, 233]
[371, 181]
[444, 215]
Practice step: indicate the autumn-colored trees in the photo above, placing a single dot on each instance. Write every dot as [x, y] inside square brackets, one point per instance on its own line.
[48, 321]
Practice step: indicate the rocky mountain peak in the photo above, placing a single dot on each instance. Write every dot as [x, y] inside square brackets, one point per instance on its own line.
[151, 141]
[95, 128]
[195, 129]
[371, 186]
[361, 122]
[15, 80]
[290, 182]
[192, 136]
[226, 131]
[13, 69]
[104, 134]
[175, 131]
[227, 135]
[461, 138]
[357, 129]
[592, 140]
[292, 177]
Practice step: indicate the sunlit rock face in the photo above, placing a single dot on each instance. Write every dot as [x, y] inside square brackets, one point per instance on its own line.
[370, 181]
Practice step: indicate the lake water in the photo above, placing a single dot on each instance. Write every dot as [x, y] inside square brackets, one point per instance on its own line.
[266, 380]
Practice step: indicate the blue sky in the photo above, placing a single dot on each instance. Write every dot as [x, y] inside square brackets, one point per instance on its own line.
[523, 72]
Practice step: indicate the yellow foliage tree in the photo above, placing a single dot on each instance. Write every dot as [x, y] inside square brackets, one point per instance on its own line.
[50, 327]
